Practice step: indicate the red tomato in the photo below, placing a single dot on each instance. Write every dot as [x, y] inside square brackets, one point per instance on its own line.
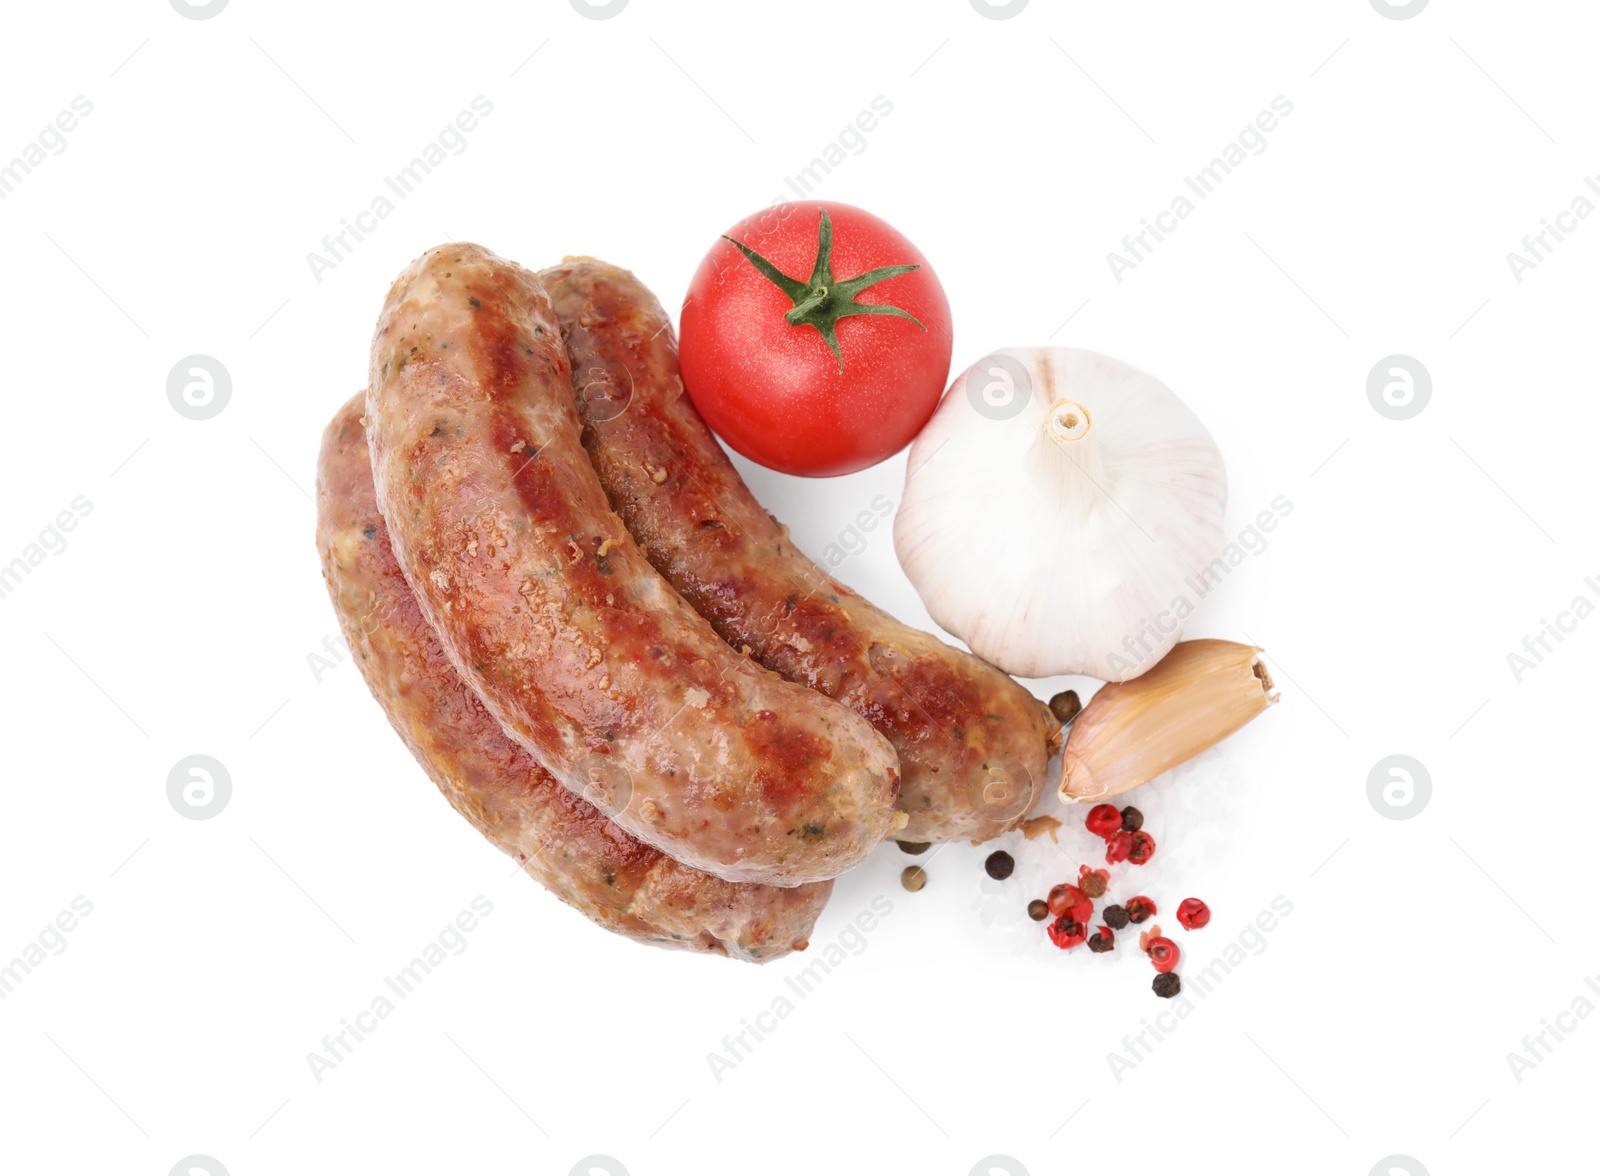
[807, 357]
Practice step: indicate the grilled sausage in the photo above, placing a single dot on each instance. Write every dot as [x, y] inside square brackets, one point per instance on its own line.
[562, 841]
[972, 742]
[584, 654]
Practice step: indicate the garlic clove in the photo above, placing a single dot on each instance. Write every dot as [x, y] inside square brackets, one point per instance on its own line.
[1062, 514]
[1131, 732]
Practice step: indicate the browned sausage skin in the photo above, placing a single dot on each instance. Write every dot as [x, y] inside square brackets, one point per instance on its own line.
[551, 613]
[562, 841]
[972, 743]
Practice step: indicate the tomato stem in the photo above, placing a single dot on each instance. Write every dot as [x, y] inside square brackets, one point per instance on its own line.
[821, 301]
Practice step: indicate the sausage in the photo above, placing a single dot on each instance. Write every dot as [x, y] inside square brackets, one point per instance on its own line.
[973, 744]
[547, 608]
[562, 841]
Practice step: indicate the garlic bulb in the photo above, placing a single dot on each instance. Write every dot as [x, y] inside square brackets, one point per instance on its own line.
[1062, 514]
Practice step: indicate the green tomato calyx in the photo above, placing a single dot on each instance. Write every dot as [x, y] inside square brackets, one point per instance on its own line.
[821, 301]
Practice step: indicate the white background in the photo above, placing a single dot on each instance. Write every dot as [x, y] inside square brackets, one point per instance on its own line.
[179, 618]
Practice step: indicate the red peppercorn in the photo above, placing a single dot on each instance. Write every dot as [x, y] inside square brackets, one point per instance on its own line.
[1067, 932]
[1143, 848]
[1193, 914]
[1118, 847]
[1163, 953]
[1067, 900]
[1093, 882]
[1139, 908]
[1104, 820]
[1102, 940]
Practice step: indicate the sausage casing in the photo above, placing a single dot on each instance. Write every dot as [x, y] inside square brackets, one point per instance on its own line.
[562, 841]
[548, 609]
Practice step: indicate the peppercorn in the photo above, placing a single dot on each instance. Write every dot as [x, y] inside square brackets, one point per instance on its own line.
[1067, 899]
[1038, 910]
[1000, 864]
[913, 878]
[1065, 706]
[1167, 985]
[1115, 915]
[1093, 884]
[1140, 908]
[1066, 932]
[1118, 846]
[1192, 914]
[913, 847]
[1103, 820]
[1163, 953]
[1102, 940]
[1142, 849]
[1132, 819]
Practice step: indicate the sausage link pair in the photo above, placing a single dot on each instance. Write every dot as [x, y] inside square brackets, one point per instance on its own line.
[561, 840]
[557, 621]
[972, 743]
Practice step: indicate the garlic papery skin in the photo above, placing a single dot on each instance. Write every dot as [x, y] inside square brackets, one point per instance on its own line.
[1062, 514]
[1131, 732]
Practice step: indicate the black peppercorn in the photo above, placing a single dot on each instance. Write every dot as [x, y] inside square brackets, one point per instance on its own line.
[1132, 820]
[913, 847]
[1038, 910]
[1167, 985]
[1116, 916]
[1102, 940]
[1000, 864]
